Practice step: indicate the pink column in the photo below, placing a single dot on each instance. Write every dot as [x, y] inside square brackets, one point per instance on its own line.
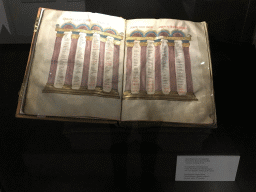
[172, 71]
[128, 69]
[101, 65]
[54, 61]
[143, 60]
[188, 70]
[87, 56]
[71, 62]
[115, 67]
[158, 85]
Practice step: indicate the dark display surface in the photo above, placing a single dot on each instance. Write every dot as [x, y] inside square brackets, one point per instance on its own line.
[67, 161]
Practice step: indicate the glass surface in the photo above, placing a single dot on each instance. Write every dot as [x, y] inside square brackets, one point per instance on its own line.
[17, 17]
[46, 156]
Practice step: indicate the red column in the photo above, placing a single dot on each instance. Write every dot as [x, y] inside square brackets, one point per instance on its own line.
[54, 61]
[128, 69]
[71, 62]
[158, 86]
[143, 61]
[115, 67]
[172, 71]
[101, 66]
[188, 70]
[87, 56]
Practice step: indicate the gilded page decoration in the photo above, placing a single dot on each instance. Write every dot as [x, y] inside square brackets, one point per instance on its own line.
[175, 64]
[93, 66]
[76, 66]
[80, 65]
[164, 71]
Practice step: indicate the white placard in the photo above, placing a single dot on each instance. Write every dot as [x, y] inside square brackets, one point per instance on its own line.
[165, 75]
[135, 82]
[94, 61]
[180, 68]
[79, 61]
[63, 60]
[150, 67]
[108, 64]
[206, 168]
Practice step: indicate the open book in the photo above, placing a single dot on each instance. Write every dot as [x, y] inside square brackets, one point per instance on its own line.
[86, 65]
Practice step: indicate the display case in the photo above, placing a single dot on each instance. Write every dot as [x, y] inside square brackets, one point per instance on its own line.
[18, 17]
[41, 155]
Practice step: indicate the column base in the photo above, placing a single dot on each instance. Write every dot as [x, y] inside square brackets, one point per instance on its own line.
[67, 89]
[173, 96]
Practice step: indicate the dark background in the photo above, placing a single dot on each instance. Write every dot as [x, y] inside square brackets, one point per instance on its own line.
[231, 25]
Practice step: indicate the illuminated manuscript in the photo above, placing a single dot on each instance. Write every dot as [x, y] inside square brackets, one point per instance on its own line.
[86, 65]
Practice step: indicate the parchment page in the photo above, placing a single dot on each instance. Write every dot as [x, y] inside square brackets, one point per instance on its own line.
[70, 50]
[181, 90]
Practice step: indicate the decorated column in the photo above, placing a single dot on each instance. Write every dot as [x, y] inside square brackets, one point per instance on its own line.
[55, 56]
[143, 59]
[71, 60]
[128, 69]
[101, 66]
[158, 84]
[115, 68]
[173, 83]
[189, 82]
[87, 55]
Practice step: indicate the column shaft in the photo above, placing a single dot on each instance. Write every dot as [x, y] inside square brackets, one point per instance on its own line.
[115, 67]
[71, 62]
[101, 65]
[143, 61]
[87, 56]
[128, 69]
[54, 61]
[158, 85]
[188, 70]
[173, 84]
